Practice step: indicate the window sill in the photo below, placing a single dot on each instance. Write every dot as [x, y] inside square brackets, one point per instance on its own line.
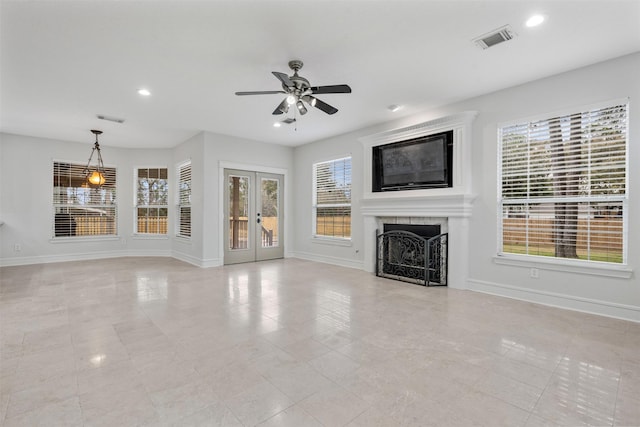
[142, 236]
[554, 264]
[333, 241]
[81, 239]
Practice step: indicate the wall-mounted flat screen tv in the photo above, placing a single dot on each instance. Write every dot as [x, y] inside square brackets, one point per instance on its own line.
[425, 162]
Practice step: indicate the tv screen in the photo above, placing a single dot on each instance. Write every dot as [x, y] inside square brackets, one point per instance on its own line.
[419, 163]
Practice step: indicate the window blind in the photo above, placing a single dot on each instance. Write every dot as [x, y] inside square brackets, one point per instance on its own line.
[563, 186]
[79, 209]
[152, 204]
[332, 201]
[184, 200]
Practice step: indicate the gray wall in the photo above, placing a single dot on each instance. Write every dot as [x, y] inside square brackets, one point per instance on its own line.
[25, 192]
[611, 80]
[26, 197]
[26, 186]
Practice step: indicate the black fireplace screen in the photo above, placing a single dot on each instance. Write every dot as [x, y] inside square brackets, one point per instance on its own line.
[406, 256]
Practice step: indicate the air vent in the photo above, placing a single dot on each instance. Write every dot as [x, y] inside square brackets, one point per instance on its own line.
[495, 37]
[108, 118]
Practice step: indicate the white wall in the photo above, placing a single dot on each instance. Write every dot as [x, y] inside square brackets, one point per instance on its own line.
[190, 250]
[26, 197]
[304, 158]
[602, 82]
[610, 80]
[25, 192]
[225, 151]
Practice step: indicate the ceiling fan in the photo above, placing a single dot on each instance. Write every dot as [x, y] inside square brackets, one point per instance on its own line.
[298, 89]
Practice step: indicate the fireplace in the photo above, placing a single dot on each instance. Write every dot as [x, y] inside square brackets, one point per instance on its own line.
[415, 253]
[450, 207]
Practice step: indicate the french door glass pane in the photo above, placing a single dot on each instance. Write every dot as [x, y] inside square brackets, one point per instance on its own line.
[269, 212]
[238, 212]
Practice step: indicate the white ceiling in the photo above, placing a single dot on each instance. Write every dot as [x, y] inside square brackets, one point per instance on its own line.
[63, 62]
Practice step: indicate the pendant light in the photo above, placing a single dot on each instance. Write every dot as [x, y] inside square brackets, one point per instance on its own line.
[95, 174]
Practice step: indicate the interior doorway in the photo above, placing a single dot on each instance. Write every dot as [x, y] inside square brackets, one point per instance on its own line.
[253, 206]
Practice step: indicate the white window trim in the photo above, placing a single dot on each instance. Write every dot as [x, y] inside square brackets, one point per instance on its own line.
[318, 238]
[151, 236]
[591, 268]
[564, 112]
[335, 241]
[78, 239]
[564, 264]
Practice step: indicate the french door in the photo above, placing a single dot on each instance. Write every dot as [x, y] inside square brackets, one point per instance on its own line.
[253, 206]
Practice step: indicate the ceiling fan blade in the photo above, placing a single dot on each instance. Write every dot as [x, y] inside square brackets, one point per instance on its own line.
[283, 78]
[321, 105]
[261, 92]
[331, 89]
[282, 108]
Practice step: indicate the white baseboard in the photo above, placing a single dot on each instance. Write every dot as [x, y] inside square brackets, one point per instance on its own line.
[47, 259]
[212, 262]
[149, 253]
[569, 302]
[329, 260]
[198, 262]
[186, 258]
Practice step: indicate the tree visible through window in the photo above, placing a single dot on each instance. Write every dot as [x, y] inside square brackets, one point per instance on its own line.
[563, 186]
[332, 198]
[152, 200]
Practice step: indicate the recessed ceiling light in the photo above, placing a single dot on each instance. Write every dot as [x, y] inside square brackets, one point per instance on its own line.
[277, 125]
[144, 92]
[394, 108]
[534, 21]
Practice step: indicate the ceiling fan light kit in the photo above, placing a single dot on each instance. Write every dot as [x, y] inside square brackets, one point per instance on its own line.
[301, 108]
[297, 90]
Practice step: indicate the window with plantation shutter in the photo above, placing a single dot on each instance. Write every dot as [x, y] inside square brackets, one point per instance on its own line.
[563, 186]
[79, 209]
[152, 201]
[332, 198]
[184, 200]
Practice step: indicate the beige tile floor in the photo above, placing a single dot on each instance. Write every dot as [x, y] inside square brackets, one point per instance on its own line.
[154, 341]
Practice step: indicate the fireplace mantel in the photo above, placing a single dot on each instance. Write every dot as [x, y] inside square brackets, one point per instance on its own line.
[453, 204]
[445, 205]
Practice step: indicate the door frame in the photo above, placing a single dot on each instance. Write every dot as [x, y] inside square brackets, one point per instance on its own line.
[222, 165]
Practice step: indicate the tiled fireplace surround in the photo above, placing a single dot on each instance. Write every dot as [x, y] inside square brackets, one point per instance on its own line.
[449, 207]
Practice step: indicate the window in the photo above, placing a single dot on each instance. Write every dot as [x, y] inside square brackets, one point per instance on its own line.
[79, 209]
[152, 201]
[184, 200]
[563, 186]
[332, 198]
